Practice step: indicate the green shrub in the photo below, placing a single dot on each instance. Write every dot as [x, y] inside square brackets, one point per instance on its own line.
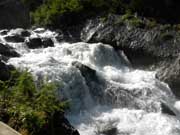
[166, 36]
[151, 24]
[49, 12]
[132, 20]
[52, 10]
[136, 22]
[127, 16]
[29, 107]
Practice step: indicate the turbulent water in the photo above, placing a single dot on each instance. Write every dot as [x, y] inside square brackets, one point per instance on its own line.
[114, 99]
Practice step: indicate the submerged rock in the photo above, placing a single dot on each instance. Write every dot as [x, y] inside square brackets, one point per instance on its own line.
[47, 42]
[8, 51]
[14, 38]
[34, 43]
[110, 131]
[25, 33]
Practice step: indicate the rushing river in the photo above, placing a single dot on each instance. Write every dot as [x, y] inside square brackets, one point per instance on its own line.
[109, 97]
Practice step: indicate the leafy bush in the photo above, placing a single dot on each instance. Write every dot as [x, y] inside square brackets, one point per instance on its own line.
[58, 12]
[127, 16]
[136, 22]
[151, 23]
[50, 12]
[53, 12]
[132, 20]
[29, 108]
[165, 36]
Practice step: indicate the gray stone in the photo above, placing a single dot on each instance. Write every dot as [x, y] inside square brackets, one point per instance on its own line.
[142, 46]
[170, 74]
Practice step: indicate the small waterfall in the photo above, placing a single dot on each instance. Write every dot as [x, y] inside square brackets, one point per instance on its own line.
[108, 96]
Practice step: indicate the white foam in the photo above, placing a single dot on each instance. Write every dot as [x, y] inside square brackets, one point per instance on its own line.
[136, 94]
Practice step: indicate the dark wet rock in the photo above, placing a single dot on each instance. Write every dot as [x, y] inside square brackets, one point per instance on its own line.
[25, 33]
[3, 58]
[8, 51]
[141, 45]
[59, 38]
[110, 131]
[62, 126]
[170, 74]
[34, 43]
[14, 38]
[165, 109]
[47, 42]
[4, 32]
[70, 34]
[60, 35]
[95, 83]
[86, 71]
[4, 71]
[13, 14]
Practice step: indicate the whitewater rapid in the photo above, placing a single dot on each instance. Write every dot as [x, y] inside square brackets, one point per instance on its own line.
[120, 101]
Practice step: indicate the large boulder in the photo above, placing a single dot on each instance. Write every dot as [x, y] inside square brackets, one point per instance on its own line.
[95, 84]
[34, 43]
[7, 51]
[143, 46]
[171, 75]
[47, 42]
[13, 14]
[14, 38]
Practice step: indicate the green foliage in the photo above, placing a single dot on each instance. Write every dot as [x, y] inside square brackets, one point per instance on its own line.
[151, 24]
[136, 22]
[29, 107]
[132, 20]
[166, 36]
[49, 12]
